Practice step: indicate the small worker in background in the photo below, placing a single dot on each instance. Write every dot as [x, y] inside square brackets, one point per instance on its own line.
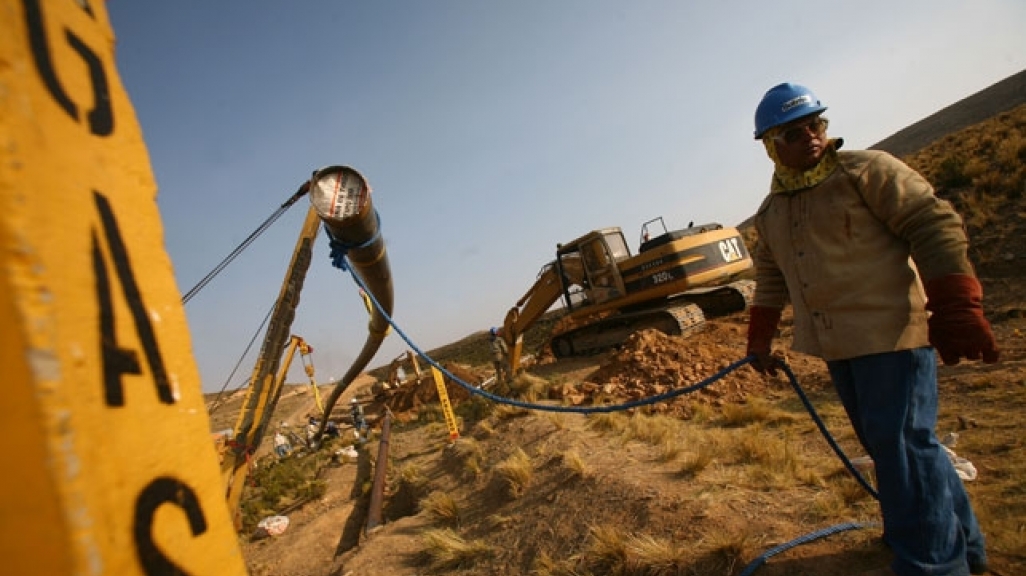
[876, 269]
[500, 356]
[281, 445]
[359, 419]
[312, 425]
[331, 429]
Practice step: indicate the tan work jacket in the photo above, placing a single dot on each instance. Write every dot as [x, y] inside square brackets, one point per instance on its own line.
[840, 251]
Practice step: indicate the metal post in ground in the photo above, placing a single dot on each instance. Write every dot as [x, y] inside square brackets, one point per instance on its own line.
[380, 471]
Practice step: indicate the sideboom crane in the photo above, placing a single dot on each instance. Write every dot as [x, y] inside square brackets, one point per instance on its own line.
[265, 384]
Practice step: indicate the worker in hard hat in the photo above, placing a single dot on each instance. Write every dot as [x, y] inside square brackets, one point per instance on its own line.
[500, 355]
[359, 419]
[876, 269]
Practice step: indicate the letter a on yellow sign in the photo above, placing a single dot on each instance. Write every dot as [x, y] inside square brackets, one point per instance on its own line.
[112, 470]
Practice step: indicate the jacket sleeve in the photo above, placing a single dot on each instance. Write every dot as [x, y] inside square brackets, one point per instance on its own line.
[904, 201]
[770, 287]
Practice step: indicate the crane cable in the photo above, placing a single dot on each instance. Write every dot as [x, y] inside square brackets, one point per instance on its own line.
[245, 243]
[217, 399]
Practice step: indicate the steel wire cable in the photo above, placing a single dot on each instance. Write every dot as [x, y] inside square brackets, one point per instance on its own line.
[245, 243]
[215, 404]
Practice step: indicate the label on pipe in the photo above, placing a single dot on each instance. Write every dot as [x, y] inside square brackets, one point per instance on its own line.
[338, 193]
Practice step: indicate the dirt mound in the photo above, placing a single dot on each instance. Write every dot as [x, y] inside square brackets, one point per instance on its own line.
[650, 363]
[415, 393]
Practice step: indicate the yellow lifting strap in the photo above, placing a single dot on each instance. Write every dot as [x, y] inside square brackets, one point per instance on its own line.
[443, 398]
[113, 470]
[305, 350]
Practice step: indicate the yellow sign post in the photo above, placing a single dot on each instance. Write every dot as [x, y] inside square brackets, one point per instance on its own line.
[443, 397]
[110, 468]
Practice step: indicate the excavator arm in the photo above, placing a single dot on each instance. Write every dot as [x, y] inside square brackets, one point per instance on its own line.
[553, 281]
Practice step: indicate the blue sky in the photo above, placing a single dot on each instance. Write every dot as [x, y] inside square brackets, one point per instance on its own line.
[491, 131]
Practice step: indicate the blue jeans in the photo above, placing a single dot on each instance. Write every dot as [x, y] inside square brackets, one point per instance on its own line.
[891, 400]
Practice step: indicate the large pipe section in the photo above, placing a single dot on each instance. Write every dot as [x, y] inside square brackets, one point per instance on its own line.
[341, 197]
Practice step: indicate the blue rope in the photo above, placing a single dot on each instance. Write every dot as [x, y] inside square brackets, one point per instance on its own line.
[758, 562]
[340, 249]
[755, 564]
[826, 433]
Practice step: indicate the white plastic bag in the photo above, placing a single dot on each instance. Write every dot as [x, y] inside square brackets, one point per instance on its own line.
[274, 525]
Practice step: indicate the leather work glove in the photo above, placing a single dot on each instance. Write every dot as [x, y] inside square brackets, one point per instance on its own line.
[957, 326]
[762, 326]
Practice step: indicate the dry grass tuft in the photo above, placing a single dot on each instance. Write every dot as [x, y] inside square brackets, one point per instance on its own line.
[498, 522]
[517, 471]
[607, 550]
[573, 461]
[483, 429]
[697, 460]
[700, 412]
[557, 419]
[828, 506]
[446, 549]
[442, 507]
[546, 565]
[606, 422]
[670, 450]
[508, 412]
[611, 550]
[724, 550]
[656, 556]
[528, 387]
[655, 430]
[755, 411]
[468, 451]
[412, 476]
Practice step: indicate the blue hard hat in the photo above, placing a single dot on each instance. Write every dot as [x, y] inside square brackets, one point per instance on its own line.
[493, 331]
[784, 103]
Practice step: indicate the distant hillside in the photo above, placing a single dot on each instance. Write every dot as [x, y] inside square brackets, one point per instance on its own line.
[985, 104]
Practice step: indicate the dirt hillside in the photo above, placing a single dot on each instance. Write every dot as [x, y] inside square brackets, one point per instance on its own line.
[698, 484]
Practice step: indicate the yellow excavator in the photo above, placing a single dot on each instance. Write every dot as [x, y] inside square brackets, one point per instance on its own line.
[677, 279]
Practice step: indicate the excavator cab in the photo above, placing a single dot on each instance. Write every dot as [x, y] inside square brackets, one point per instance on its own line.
[587, 268]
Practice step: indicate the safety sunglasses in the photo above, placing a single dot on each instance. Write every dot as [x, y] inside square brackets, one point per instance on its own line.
[816, 126]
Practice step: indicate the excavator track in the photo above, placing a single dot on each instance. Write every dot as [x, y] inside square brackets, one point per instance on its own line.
[678, 320]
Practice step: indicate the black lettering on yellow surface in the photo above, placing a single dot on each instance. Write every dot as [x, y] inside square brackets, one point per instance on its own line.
[101, 117]
[118, 361]
[160, 491]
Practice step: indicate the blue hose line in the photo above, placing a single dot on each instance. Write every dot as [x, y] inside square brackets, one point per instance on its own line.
[338, 259]
[758, 562]
[826, 434]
